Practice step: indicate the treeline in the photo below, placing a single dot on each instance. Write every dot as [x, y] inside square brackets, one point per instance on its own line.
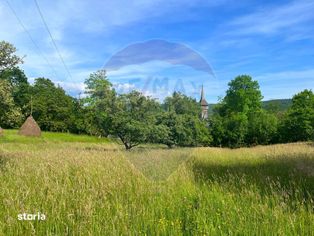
[237, 120]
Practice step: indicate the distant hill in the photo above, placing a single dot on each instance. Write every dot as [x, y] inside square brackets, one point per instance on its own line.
[280, 105]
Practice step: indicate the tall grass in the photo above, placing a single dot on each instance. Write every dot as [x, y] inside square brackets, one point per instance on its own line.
[98, 189]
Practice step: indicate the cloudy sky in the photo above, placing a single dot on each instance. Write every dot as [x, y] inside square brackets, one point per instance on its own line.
[273, 41]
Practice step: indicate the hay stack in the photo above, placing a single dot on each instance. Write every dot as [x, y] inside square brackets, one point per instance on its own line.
[1, 132]
[30, 128]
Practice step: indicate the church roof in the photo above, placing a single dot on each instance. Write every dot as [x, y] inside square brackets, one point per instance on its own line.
[203, 100]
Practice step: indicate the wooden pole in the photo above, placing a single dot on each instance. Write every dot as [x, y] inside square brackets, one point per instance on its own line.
[31, 105]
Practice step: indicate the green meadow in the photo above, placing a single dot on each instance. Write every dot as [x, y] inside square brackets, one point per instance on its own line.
[92, 186]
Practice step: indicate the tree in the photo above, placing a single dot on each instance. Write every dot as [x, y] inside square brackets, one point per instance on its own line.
[182, 118]
[133, 119]
[8, 58]
[10, 115]
[298, 124]
[20, 88]
[52, 107]
[238, 119]
[182, 104]
[236, 127]
[177, 133]
[217, 129]
[80, 120]
[242, 95]
[262, 128]
[99, 103]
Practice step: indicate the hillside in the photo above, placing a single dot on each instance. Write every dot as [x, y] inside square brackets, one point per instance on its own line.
[278, 104]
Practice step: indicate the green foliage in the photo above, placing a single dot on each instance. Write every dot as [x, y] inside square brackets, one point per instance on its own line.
[298, 124]
[277, 106]
[182, 105]
[8, 58]
[10, 114]
[239, 119]
[242, 96]
[133, 119]
[20, 88]
[99, 103]
[52, 108]
[236, 127]
[182, 118]
[262, 128]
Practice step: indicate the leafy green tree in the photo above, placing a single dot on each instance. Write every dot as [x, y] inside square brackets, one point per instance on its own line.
[217, 129]
[201, 132]
[239, 119]
[182, 118]
[8, 57]
[262, 128]
[10, 114]
[80, 120]
[298, 124]
[179, 133]
[243, 95]
[160, 134]
[236, 127]
[52, 107]
[133, 119]
[99, 103]
[20, 88]
[182, 104]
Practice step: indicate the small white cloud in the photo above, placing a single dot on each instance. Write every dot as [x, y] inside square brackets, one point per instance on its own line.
[124, 87]
[276, 19]
[71, 86]
[285, 84]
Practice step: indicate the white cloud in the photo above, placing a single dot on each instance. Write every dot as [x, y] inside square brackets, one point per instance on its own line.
[124, 87]
[286, 83]
[71, 86]
[296, 76]
[65, 18]
[275, 19]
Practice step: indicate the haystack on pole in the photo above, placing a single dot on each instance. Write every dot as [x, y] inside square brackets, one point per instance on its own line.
[30, 126]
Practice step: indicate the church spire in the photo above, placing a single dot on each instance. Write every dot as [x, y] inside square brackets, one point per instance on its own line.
[203, 100]
[204, 105]
[202, 93]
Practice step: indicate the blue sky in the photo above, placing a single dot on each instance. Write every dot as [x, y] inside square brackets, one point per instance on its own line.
[273, 41]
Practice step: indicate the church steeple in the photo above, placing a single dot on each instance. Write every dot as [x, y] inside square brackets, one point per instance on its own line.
[204, 105]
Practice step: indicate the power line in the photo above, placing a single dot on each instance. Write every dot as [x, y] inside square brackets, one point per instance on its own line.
[52, 39]
[31, 38]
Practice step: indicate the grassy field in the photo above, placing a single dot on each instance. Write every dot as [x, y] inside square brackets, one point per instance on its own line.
[89, 186]
[11, 136]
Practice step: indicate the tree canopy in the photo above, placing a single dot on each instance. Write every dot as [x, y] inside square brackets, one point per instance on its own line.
[298, 123]
[239, 119]
[8, 57]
